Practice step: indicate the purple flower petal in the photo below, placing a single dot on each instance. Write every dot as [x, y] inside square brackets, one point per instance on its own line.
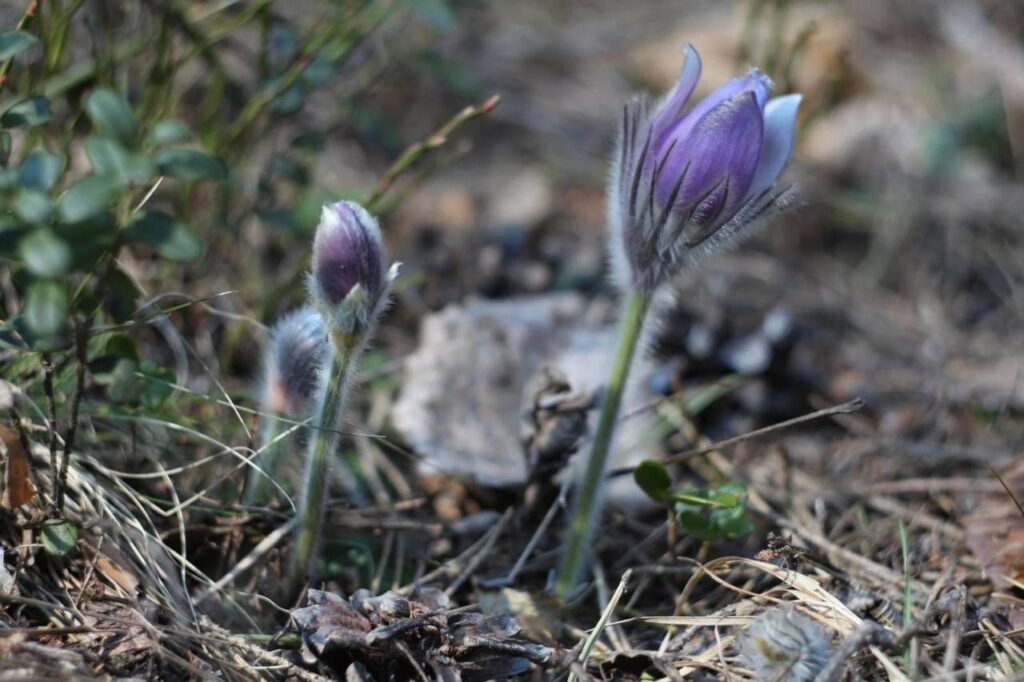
[754, 81]
[723, 146]
[779, 129]
[671, 109]
[346, 252]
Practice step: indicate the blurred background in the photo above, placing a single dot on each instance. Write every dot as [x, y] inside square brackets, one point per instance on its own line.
[177, 232]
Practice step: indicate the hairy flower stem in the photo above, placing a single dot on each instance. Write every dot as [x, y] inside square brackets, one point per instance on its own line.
[587, 508]
[315, 478]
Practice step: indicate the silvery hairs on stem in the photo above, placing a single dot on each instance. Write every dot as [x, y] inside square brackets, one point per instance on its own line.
[683, 186]
[348, 285]
[784, 645]
[296, 353]
[294, 358]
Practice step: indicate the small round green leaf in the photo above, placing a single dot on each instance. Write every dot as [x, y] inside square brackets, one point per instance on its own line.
[87, 197]
[159, 384]
[59, 536]
[168, 132]
[125, 384]
[33, 206]
[111, 114]
[46, 307]
[44, 253]
[15, 42]
[171, 238]
[41, 169]
[188, 164]
[653, 479]
[110, 158]
[27, 113]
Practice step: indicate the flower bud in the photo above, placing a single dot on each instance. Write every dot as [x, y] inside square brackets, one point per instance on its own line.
[296, 354]
[685, 183]
[785, 645]
[348, 283]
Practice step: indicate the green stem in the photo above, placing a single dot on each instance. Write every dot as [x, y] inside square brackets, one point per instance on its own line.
[272, 444]
[316, 476]
[586, 511]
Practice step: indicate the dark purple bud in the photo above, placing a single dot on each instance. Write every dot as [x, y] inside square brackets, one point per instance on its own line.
[346, 252]
[685, 182]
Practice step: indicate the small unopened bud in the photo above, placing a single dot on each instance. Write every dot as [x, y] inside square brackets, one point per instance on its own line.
[348, 283]
[296, 354]
[784, 645]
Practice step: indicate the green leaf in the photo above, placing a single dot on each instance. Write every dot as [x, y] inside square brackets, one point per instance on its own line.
[653, 479]
[171, 238]
[46, 307]
[9, 179]
[44, 253]
[59, 536]
[33, 206]
[159, 384]
[27, 113]
[188, 164]
[724, 499]
[87, 197]
[15, 42]
[110, 158]
[5, 148]
[122, 346]
[731, 523]
[120, 295]
[697, 525]
[41, 170]
[168, 132]
[111, 114]
[125, 384]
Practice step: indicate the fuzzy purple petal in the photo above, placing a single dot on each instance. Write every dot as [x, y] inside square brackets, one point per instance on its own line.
[779, 129]
[671, 109]
[718, 157]
[754, 81]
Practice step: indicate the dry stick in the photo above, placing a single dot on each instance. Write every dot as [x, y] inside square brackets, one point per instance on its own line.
[435, 140]
[456, 562]
[1006, 488]
[264, 546]
[537, 535]
[51, 420]
[61, 484]
[871, 633]
[475, 562]
[605, 616]
[844, 408]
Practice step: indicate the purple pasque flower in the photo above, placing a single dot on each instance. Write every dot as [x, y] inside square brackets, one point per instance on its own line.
[684, 183]
[348, 283]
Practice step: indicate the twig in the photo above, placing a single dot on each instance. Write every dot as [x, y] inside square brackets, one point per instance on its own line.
[51, 420]
[474, 563]
[542, 528]
[61, 483]
[264, 546]
[844, 408]
[605, 616]
[1009, 492]
[413, 153]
